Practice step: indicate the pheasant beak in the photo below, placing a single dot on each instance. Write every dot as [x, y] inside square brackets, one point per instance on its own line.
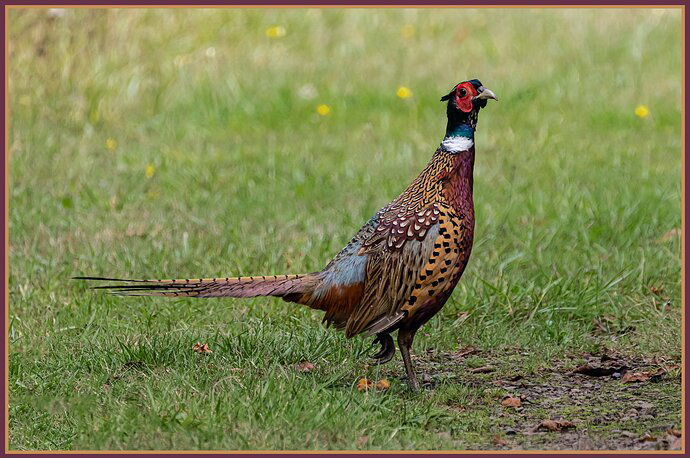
[485, 94]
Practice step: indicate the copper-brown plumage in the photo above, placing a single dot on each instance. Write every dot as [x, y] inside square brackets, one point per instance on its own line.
[399, 269]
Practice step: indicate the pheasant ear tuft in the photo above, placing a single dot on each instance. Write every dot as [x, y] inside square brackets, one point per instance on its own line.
[447, 96]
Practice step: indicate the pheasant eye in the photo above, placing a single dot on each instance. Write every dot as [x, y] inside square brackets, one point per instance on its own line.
[462, 92]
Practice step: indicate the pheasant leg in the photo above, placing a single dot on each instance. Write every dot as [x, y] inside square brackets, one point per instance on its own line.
[405, 338]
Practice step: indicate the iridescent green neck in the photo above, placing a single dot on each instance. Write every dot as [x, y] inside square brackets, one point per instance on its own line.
[460, 130]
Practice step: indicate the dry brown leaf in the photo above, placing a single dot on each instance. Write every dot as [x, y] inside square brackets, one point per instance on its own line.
[466, 351]
[551, 425]
[565, 424]
[557, 425]
[201, 348]
[498, 440]
[305, 366]
[483, 370]
[630, 377]
[601, 368]
[647, 438]
[656, 290]
[364, 384]
[511, 402]
[675, 432]
[383, 384]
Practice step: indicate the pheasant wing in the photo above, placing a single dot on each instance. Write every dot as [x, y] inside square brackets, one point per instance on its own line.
[397, 251]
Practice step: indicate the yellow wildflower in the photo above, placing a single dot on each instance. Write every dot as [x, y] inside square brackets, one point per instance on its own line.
[111, 144]
[407, 31]
[642, 111]
[404, 92]
[276, 31]
[323, 109]
[150, 170]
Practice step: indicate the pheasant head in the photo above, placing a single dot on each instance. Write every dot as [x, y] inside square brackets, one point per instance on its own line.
[464, 102]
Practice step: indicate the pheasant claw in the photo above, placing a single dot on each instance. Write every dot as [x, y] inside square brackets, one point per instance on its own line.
[387, 350]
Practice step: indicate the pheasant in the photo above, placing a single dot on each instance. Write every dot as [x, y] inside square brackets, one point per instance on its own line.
[399, 269]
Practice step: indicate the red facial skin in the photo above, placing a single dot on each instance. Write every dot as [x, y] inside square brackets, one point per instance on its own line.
[464, 103]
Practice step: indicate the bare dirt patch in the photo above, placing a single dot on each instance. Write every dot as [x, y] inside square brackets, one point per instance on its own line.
[586, 402]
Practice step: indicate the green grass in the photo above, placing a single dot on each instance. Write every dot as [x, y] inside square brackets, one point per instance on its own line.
[573, 193]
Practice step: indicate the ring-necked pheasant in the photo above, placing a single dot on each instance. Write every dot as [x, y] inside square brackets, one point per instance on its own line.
[399, 269]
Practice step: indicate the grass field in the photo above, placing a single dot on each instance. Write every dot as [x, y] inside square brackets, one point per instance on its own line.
[172, 143]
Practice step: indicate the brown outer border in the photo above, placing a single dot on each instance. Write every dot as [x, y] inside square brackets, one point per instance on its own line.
[497, 4]
[15, 4]
[5, 295]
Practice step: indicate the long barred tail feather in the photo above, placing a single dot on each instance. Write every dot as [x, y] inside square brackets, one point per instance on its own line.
[271, 285]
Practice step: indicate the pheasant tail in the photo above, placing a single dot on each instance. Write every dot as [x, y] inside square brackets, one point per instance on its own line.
[292, 286]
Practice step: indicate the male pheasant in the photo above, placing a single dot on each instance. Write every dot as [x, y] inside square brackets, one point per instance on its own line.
[399, 269]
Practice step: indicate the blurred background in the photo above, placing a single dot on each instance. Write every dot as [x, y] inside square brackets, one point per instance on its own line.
[214, 142]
